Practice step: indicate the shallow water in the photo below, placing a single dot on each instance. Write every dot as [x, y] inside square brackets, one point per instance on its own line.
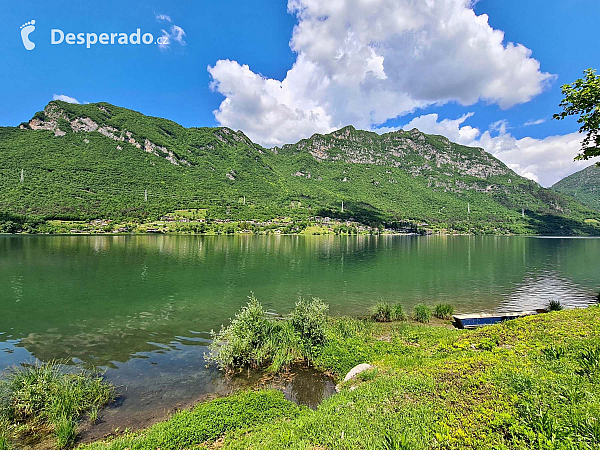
[142, 307]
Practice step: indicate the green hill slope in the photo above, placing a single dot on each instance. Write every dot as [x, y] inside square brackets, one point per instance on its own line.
[583, 186]
[101, 161]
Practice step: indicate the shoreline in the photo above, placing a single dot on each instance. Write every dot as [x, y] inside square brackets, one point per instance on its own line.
[498, 347]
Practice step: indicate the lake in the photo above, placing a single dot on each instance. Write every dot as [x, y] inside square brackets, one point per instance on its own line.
[142, 307]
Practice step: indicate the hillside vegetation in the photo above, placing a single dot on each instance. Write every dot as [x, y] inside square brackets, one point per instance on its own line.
[99, 161]
[584, 186]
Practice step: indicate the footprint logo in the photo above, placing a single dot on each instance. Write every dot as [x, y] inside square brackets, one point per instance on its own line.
[26, 30]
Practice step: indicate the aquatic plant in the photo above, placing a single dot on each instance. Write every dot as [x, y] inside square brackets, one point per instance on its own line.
[49, 395]
[554, 305]
[381, 312]
[65, 432]
[398, 312]
[443, 311]
[422, 313]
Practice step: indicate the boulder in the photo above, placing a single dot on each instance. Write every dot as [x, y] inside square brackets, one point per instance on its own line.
[353, 372]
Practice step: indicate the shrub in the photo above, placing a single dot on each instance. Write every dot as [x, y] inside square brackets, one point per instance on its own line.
[382, 312]
[309, 320]
[242, 342]
[253, 340]
[554, 305]
[443, 311]
[422, 313]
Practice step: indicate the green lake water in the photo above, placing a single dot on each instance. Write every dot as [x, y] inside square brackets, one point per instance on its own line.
[142, 307]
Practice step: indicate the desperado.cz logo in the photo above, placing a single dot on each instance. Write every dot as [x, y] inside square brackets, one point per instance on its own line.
[58, 36]
[26, 29]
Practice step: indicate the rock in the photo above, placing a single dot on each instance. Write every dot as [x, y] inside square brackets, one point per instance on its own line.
[356, 370]
[353, 372]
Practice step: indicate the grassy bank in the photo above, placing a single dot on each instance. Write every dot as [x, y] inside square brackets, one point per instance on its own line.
[528, 383]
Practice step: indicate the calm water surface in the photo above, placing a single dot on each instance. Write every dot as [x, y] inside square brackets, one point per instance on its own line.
[143, 306]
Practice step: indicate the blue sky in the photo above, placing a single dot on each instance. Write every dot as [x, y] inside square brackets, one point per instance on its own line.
[174, 82]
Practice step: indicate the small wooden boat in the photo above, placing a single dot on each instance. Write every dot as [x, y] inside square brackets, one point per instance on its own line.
[483, 319]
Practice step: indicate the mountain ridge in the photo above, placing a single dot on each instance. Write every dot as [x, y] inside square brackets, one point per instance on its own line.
[100, 160]
[584, 186]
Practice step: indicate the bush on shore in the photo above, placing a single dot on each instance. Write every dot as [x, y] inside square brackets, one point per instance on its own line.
[422, 313]
[382, 312]
[254, 340]
[554, 305]
[309, 320]
[443, 311]
[48, 395]
[398, 312]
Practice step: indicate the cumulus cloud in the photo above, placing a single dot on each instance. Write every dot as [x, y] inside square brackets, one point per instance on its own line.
[64, 98]
[543, 160]
[365, 62]
[452, 129]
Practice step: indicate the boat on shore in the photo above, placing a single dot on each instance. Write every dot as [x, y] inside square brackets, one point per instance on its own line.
[482, 319]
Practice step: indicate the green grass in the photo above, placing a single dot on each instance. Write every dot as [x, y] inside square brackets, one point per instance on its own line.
[527, 383]
[208, 421]
[39, 398]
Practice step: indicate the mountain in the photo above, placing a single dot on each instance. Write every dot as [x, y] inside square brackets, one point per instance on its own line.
[583, 186]
[102, 161]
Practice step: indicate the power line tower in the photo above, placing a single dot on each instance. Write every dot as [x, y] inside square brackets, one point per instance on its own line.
[145, 195]
[22, 175]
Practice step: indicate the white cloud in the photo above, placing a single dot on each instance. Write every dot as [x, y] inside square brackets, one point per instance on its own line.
[176, 34]
[543, 160]
[163, 18]
[534, 122]
[64, 98]
[450, 128]
[367, 61]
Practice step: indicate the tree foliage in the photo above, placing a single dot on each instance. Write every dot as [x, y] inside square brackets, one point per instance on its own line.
[582, 98]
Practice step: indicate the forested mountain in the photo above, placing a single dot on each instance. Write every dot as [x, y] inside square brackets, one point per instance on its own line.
[583, 186]
[101, 161]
